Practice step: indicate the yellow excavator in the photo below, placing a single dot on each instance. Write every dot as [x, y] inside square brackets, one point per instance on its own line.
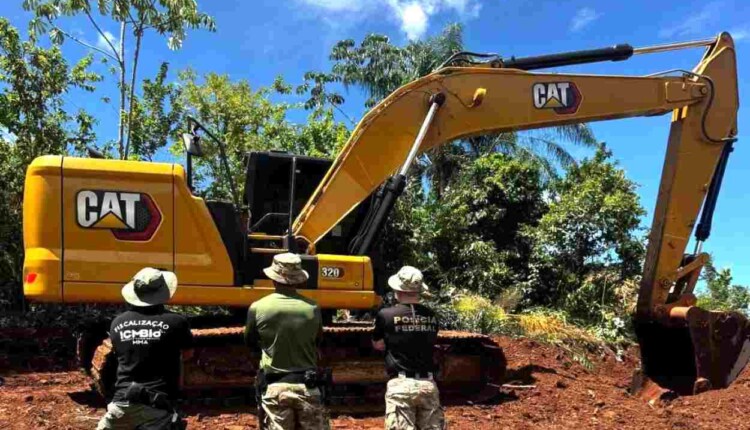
[90, 224]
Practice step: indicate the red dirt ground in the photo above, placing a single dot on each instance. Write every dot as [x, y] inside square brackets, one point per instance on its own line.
[554, 393]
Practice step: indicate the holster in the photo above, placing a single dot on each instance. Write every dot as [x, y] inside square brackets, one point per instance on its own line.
[324, 382]
[311, 379]
[138, 393]
[321, 378]
[261, 384]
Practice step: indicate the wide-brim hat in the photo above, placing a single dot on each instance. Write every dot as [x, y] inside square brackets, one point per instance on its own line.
[287, 269]
[408, 280]
[150, 287]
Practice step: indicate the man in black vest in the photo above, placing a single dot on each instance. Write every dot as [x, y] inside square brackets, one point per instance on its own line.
[408, 333]
[147, 340]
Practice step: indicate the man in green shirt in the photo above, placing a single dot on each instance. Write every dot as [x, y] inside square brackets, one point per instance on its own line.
[287, 326]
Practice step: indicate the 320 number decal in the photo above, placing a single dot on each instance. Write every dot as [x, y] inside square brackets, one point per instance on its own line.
[331, 272]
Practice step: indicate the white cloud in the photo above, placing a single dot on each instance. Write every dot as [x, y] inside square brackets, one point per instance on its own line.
[466, 8]
[694, 24]
[412, 15]
[740, 34]
[336, 5]
[583, 17]
[101, 42]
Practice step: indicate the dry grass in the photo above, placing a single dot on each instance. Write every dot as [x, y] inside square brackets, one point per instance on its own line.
[477, 313]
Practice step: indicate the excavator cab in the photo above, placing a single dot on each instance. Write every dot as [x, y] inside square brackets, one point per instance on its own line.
[277, 186]
[274, 195]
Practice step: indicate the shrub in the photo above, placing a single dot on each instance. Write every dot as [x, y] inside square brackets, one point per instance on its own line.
[478, 314]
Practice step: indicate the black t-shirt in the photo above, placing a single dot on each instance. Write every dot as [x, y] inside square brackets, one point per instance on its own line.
[410, 332]
[147, 342]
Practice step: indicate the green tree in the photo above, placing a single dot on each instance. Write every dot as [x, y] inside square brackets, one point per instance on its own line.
[592, 225]
[157, 115]
[480, 242]
[380, 67]
[472, 237]
[33, 122]
[170, 18]
[720, 293]
[248, 120]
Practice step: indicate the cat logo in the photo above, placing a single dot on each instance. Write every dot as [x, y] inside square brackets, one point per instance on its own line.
[130, 216]
[562, 97]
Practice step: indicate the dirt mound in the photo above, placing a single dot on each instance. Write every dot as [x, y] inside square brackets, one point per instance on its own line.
[544, 389]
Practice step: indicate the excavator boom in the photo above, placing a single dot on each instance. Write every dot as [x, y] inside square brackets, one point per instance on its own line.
[482, 100]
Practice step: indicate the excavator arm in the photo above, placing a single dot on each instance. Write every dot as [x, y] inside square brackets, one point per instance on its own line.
[458, 102]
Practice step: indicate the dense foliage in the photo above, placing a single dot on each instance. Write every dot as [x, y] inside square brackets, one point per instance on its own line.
[502, 232]
[720, 294]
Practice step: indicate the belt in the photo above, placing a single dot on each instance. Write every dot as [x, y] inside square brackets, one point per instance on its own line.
[415, 375]
[286, 377]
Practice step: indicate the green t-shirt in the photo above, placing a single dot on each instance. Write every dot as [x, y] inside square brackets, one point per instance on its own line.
[286, 327]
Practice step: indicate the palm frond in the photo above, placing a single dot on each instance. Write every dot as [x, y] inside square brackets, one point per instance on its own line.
[552, 149]
[577, 134]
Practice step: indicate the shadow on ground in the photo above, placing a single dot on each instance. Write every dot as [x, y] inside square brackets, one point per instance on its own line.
[88, 398]
[525, 375]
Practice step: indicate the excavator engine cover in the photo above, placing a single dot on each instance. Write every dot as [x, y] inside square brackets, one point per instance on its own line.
[696, 351]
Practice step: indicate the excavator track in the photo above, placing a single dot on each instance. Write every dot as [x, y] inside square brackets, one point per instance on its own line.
[222, 369]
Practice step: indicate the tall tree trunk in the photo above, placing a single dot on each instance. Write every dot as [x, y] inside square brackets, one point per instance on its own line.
[138, 36]
[121, 119]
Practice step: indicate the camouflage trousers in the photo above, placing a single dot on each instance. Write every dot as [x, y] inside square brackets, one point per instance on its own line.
[128, 416]
[413, 404]
[294, 406]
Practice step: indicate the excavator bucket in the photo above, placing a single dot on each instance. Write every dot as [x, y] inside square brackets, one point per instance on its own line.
[694, 351]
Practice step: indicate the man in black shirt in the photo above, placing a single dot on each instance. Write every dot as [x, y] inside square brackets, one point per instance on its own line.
[408, 332]
[147, 341]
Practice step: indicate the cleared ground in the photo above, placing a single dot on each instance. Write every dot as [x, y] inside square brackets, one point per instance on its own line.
[549, 391]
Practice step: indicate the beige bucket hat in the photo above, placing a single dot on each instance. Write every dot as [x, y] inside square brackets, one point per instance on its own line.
[409, 280]
[150, 287]
[287, 269]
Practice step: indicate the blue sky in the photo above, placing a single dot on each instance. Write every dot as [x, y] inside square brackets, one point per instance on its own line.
[258, 41]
